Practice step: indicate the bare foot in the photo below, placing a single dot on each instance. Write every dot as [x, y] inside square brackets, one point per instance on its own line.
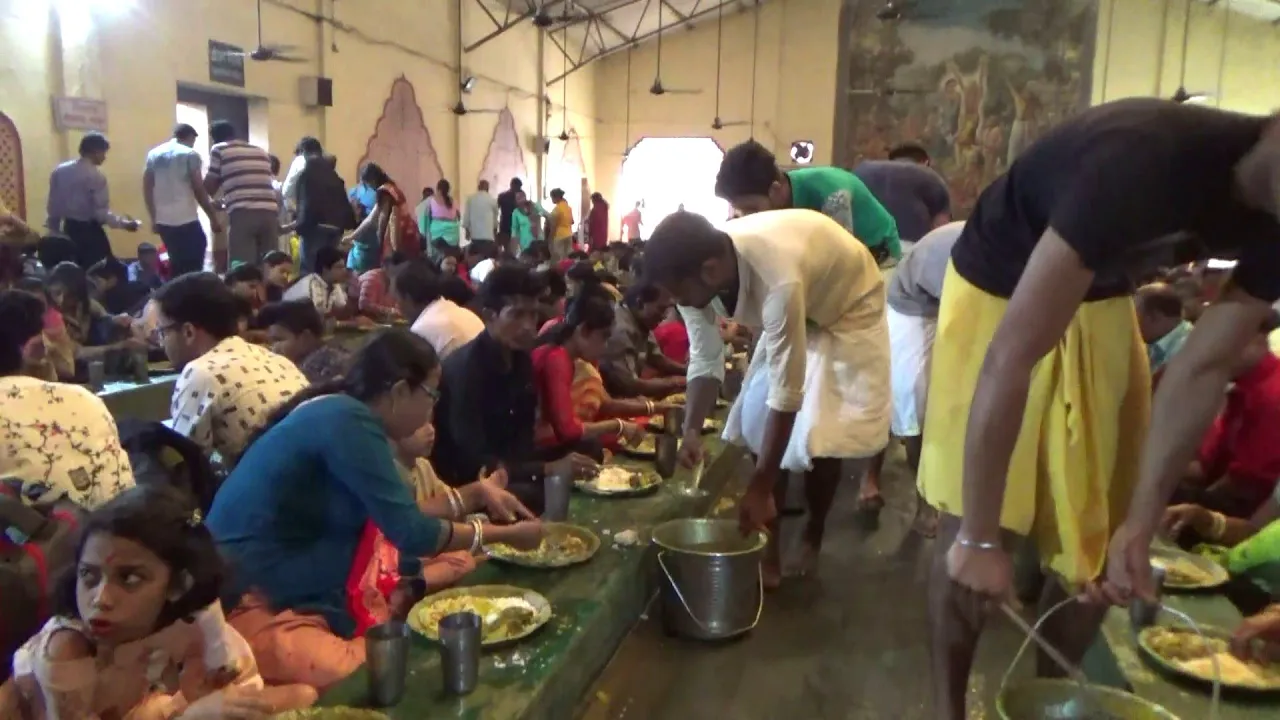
[926, 522]
[808, 558]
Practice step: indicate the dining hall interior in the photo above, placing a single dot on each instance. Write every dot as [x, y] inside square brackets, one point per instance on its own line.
[513, 359]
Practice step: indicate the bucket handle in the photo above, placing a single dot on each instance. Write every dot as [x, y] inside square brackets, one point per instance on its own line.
[676, 587]
[1217, 676]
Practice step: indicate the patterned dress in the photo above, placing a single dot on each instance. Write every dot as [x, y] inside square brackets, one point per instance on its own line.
[157, 676]
[224, 396]
[63, 436]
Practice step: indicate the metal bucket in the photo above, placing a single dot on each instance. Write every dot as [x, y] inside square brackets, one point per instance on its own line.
[711, 583]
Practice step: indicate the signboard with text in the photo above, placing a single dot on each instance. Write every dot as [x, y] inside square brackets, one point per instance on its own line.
[78, 113]
[226, 64]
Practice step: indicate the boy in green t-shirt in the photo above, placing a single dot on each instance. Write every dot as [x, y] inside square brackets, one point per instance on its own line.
[750, 180]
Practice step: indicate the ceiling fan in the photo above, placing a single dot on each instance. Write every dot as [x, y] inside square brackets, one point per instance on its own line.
[465, 82]
[717, 123]
[276, 53]
[1181, 95]
[657, 88]
[568, 14]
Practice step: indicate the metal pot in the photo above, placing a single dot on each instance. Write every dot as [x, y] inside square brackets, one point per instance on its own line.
[711, 583]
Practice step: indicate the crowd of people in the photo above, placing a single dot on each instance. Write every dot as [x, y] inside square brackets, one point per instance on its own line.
[1004, 351]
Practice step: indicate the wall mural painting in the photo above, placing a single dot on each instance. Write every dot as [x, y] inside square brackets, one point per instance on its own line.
[974, 82]
[505, 159]
[401, 143]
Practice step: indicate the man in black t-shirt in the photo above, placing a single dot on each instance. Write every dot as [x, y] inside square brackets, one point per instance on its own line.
[1040, 376]
[506, 206]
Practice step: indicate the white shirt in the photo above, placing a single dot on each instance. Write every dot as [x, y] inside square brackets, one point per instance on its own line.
[480, 217]
[289, 188]
[447, 326]
[482, 270]
[324, 296]
[63, 436]
[224, 396]
[171, 164]
[831, 284]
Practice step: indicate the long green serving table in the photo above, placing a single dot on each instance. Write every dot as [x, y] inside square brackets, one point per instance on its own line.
[595, 605]
[148, 401]
[1115, 660]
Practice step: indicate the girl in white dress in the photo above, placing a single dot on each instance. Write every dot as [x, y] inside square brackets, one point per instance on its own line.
[817, 390]
[138, 631]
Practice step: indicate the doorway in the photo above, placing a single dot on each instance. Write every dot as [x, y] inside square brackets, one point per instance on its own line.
[667, 173]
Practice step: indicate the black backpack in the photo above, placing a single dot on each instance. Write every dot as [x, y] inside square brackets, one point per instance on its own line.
[160, 456]
[38, 542]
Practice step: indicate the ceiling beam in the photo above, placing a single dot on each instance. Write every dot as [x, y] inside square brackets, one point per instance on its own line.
[639, 37]
[674, 11]
[501, 29]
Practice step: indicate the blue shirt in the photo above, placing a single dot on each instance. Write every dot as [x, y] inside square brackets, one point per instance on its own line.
[365, 195]
[290, 517]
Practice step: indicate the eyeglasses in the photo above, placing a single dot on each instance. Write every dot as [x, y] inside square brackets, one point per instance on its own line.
[431, 392]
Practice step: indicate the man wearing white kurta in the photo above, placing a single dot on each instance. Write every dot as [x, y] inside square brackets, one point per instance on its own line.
[817, 390]
[914, 294]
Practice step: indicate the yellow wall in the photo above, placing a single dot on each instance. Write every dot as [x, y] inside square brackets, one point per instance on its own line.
[1145, 54]
[135, 59]
[795, 84]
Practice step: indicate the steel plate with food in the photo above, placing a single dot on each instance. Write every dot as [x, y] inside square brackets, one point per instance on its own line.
[508, 613]
[562, 545]
[1185, 571]
[332, 713]
[645, 449]
[658, 423]
[1184, 652]
[621, 481]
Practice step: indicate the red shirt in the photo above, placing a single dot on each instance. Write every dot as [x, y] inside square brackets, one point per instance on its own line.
[553, 376]
[673, 340]
[375, 293]
[1244, 440]
[598, 225]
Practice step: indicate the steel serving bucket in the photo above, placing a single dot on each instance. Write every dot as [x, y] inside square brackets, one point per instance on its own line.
[711, 583]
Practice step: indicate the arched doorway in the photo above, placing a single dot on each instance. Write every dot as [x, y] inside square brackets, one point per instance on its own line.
[665, 173]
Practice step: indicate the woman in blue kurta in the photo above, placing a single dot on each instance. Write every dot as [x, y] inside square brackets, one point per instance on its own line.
[292, 516]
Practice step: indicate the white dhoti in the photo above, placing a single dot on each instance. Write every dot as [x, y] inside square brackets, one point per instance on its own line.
[911, 348]
[845, 412]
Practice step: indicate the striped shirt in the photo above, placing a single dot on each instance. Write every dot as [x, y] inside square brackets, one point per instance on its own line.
[243, 172]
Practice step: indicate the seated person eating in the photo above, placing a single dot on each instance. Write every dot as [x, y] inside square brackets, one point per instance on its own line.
[487, 494]
[1239, 458]
[91, 332]
[489, 402]
[294, 516]
[419, 293]
[226, 387]
[55, 433]
[633, 365]
[326, 288]
[296, 331]
[375, 297]
[573, 403]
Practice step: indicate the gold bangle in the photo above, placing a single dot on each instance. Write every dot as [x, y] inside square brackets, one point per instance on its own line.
[648, 404]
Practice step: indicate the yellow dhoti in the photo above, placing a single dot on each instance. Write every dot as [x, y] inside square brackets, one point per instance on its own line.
[1076, 460]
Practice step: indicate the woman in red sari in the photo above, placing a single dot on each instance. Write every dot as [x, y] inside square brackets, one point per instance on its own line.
[388, 228]
[573, 404]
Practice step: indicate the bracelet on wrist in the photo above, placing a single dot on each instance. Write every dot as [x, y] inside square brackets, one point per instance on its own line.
[1219, 527]
[477, 536]
[978, 544]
